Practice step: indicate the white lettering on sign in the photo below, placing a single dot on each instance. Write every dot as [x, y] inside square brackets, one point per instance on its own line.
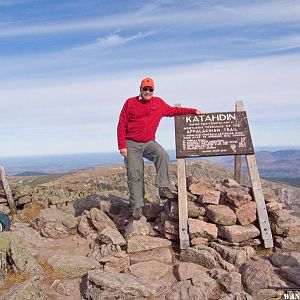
[210, 118]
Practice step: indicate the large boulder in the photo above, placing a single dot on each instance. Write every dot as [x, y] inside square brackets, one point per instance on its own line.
[54, 223]
[21, 259]
[221, 214]
[32, 288]
[199, 228]
[257, 276]
[110, 285]
[238, 233]
[73, 266]
[285, 223]
[246, 213]
[234, 256]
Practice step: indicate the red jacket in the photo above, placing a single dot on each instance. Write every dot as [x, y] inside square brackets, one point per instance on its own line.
[139, 120]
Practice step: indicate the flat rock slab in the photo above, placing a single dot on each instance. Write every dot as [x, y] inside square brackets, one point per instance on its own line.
[28, 234]
[29, 289]
[188, 270]
[110, 285]
[142, 243]
[163, 255]
[238, 233]
[73, 266]
[149, 270]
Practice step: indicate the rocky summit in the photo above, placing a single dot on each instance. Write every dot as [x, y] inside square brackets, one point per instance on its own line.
[73, 237]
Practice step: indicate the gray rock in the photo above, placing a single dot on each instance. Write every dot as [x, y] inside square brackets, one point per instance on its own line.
[238, 233]
[163, 255]
[188, 270]
[198, 288]
[21, 259]
[291, 243]
[138, 228]
[238, 296]
[110, 235]
[230, 280]
[221, 214]
[105, 285]
[205, 256]
[54, 223]
[102, 253]
[120, 262]
[100, 220]
[65, 288]
[272, 206]
[237, 196]
[171, 227]
[6, 237]
[149, 270]
[142, 243]
[72, 266]
[199, 228]
[195, 209]
[200, 257]
[291, 273]
[246, 213]
[85, 226]
[30, 289]
[259, 275]
[234, 256]
[281, 259]
[284, 223]
[3, 265]
[28, 234]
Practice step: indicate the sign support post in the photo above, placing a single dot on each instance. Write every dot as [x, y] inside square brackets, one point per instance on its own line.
[7, 190]
[182, 203]
[239, 106]
[213, 134]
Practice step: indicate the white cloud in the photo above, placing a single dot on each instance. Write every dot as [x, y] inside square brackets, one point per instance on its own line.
[111, 40]
[51, 117]
[196, 17]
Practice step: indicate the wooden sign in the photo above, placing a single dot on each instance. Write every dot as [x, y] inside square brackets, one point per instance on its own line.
[212, 134]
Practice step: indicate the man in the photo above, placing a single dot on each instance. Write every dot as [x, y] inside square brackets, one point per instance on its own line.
[136, 130]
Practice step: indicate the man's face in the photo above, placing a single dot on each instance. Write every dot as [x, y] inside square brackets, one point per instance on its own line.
[147, 92]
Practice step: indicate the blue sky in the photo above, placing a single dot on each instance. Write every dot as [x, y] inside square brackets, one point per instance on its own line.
[68, 66]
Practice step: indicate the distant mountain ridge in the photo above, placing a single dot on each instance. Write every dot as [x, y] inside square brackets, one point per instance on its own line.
[280, 165]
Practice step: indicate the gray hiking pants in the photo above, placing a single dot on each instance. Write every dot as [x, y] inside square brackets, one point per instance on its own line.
[135, 168]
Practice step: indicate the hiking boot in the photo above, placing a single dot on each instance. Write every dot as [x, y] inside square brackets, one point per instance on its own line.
[137, 213]
[165, 193]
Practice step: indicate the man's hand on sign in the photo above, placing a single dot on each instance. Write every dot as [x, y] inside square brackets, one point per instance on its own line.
[123, 152]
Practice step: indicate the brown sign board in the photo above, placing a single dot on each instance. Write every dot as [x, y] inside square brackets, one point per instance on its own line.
[212, 134]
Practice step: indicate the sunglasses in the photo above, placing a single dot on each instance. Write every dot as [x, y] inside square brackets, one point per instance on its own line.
[145, 89]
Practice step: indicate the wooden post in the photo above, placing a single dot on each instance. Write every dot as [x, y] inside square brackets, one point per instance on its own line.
[7, 190]
[262, 214]
[239, 106]
[182, 203]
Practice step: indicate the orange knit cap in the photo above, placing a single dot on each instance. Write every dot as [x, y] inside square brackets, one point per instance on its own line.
[147, 82]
